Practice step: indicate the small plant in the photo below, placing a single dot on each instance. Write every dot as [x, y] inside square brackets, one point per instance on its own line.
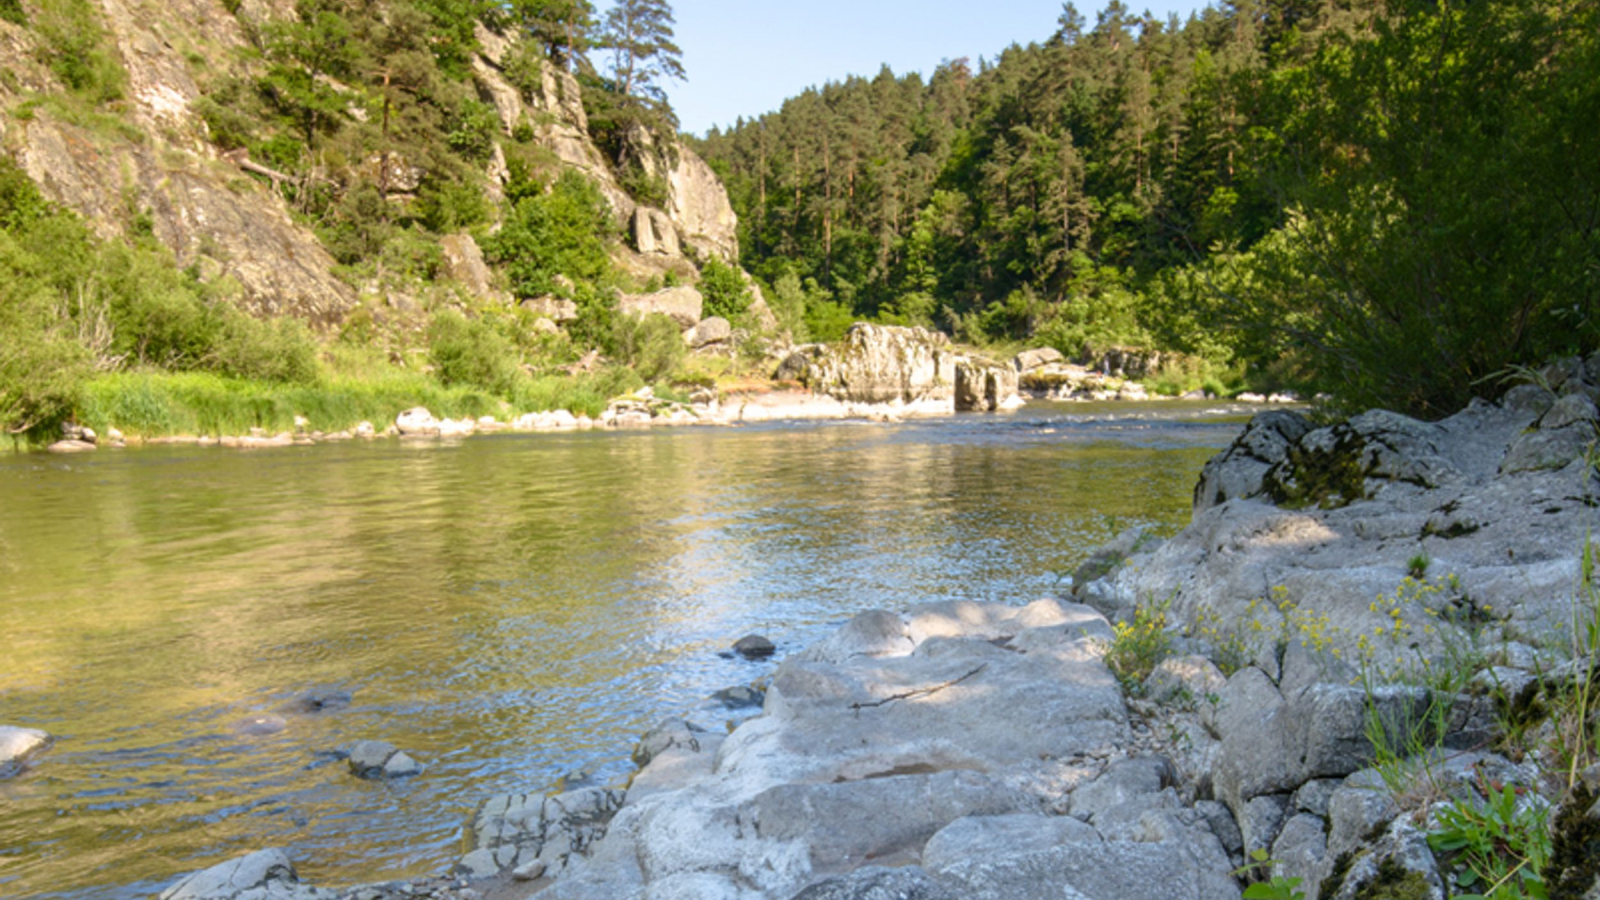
[1138, 646]
[1500, 846]
[1417, 565]
[1276, 888]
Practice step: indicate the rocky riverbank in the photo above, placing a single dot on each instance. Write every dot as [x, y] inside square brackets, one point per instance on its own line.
[1367, 669]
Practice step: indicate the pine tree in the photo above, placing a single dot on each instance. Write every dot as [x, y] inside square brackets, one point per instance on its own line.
[639, 35]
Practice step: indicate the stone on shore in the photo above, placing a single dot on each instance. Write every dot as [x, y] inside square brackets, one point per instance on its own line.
[20, 745]
[262, 875]
[71, 446]
[417, 422]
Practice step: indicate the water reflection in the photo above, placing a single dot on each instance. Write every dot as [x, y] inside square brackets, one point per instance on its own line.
[506, 608]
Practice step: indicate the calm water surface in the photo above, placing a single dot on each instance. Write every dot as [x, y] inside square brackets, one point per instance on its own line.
[509, 609]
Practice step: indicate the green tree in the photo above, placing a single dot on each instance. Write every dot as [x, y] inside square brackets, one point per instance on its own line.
[639, 35]
[305, 53]
[563, 29]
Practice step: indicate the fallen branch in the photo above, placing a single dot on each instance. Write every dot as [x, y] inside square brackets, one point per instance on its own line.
[919, 692]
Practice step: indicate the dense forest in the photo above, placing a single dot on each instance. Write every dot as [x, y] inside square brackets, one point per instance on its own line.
[1387, 200]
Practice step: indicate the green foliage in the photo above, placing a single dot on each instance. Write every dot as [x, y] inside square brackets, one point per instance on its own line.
[305, 53]
[651, 345]
[12, 11]
[725, 291]
[274, 350]
[1277, 888]
[560, 233]
[1372, 199]
[1138, 646]
[470, 352]
[1499, 845]
[74, 46]
[1431, 241]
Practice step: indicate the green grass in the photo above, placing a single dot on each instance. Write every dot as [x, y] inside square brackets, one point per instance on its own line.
[159, 404]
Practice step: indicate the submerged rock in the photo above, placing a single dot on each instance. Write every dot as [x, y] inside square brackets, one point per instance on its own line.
[380, 759]
[18, 746]
[754, 646]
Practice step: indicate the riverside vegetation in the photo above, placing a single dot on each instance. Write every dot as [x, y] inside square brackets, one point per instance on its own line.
[1374, 200]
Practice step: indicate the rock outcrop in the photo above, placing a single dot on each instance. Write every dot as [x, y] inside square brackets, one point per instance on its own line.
[1448, 524]
[885, 746]
[891, 364]
[682, 304]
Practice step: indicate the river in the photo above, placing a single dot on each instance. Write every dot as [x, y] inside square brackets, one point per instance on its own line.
[508, 609]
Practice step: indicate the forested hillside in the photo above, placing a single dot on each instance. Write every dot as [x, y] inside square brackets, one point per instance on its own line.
[224, 214]
[1390, 201]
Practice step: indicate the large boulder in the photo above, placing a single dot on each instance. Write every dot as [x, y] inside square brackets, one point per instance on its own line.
[1028, 360]
[712, 331]
[18, 745]
[982, 386]
[417, 422]
[463, 262]
[683, 304]
[878, 364]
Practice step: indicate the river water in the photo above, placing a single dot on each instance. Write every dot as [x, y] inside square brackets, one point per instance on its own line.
[509, 609]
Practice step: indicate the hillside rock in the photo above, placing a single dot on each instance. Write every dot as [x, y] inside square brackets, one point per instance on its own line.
[198, 206]
[698, 203]
[683, 304]
[463, 262]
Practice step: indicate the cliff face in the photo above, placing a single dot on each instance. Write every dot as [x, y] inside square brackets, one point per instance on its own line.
[697, 213]
[155, 166]
[147, 161]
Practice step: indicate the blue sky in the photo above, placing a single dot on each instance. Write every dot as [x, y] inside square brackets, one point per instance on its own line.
[744, 57]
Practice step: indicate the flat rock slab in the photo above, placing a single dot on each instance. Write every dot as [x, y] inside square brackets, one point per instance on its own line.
[262, 875]
[1116, 870]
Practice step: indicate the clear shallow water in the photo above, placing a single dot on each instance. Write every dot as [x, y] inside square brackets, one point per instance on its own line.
[508, 609]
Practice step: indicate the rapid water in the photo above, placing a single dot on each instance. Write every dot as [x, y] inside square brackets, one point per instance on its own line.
[508, 609]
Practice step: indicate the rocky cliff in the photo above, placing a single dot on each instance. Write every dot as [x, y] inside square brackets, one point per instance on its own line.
[146, 162]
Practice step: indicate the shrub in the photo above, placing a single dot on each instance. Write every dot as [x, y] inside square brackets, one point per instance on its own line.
[725, 291]
[1138, 646]
[652, 345]
[469, 352]
[267, 350]
[559, 233]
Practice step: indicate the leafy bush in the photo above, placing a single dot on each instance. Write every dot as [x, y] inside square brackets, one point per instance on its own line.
[789, 302]
[470, 352]
[265, 350]
[559, 233]
[725, 291]
[652, 345]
